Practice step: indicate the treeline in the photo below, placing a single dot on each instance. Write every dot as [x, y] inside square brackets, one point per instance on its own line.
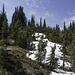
[21, 31]
[20, 25]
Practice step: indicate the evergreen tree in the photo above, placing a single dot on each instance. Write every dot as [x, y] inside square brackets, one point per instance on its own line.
[32, 21]
[4, 15]
[64, 27]
[73, 53]
[5, 28]
[40, 22]
[73, 26]
[16, 29]
[22, 39]
[18, 24]
[69, 38]
[29, 22]
[15, 16]
[52, 59]
[22, 17]
[41, 53]
[57, 32]
[53, 34]
[19, 15]
[70, 27]
[44, 24]
[10, 64]
[57, 28]
[64, 50]
[3, 18]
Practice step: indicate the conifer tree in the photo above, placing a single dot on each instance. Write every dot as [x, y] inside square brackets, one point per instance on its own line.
[64, 45]
[10, 64]
[73, 53]
[22, 16]
[22, 39]
[32, 21]
[52, 60]
[19, 15]
[57, 32]
[18, 24]
[3, 12]
[4, 24]
[73, 27]
[64, 50]
[3, 19]
[44, 24]
[40, 22]
[15, 16]
[29, 22]
[16, 29]
[5, 28]
[70, 27]
[64, 27]
[41, 53]
[69, 37]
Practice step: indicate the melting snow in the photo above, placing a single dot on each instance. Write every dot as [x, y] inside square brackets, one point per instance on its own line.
[58, 53]
[61, 72]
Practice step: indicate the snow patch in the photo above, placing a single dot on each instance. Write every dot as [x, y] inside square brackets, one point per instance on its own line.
[61, 72]
[58, 53]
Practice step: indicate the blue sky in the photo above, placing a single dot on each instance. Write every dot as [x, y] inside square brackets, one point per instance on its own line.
[54, 11]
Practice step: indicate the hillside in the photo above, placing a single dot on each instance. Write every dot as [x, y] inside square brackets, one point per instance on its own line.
[58, 54]
[27, 58]
[28, 47]
[30, 67]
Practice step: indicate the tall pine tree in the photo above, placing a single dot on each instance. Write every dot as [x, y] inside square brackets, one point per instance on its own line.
[44, 24]
[3, 24]
[52, 60]
[40, 22]
[32, 21]
[73, 53]
[41, 53]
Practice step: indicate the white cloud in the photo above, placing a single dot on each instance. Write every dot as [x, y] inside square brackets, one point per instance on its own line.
[72, 18]
[48, 14]
[32, 13]
[31, 3]
[69, 20]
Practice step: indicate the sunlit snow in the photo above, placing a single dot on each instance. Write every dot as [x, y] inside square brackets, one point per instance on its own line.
[58, 53]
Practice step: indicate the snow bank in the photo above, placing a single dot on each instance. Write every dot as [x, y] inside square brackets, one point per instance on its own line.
[39, 35]
[61, 72]
[58, 53]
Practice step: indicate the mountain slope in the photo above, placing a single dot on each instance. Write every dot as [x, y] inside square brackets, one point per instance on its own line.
[30, 66]
[58, 52]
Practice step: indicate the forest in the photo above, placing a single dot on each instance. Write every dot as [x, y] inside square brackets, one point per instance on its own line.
[20, 31]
